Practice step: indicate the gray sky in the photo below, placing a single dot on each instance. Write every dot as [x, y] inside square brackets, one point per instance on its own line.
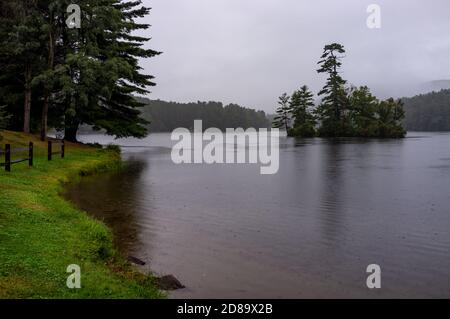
[250, 51]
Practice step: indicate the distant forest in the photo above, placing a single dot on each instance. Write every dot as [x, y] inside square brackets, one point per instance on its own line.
[167, 116]
[428, 112]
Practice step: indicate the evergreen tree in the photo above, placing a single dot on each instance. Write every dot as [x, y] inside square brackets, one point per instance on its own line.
[300, 105]
[74, 76]
[332, 110]
[389, 115]
[20, 53]
[283, 118]
[104, 72]
[362, 109]
[53, 14]
[373, 118]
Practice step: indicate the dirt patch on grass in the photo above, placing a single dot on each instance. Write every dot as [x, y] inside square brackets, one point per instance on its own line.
[13, 287]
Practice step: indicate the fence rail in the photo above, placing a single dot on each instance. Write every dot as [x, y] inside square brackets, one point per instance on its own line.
[50, 152]
[8, 152]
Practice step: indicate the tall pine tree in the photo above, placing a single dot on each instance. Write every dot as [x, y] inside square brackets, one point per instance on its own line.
[21, 56]
[362, 110]
[302, 102]
[334, 103]
[74, 76]
[283, 117]
[103, 70]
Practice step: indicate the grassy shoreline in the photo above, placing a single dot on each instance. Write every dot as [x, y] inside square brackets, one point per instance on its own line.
[41, 233]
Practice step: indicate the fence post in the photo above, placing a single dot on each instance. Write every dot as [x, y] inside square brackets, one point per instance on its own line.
[30, 154]
[49, 150]
[62, 149]
[8, 157]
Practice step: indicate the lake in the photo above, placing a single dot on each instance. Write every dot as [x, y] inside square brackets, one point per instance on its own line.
[311, 230]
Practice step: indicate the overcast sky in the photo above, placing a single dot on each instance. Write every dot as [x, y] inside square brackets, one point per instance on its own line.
[250, 51]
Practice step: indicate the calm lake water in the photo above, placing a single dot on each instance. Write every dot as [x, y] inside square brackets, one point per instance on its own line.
[309, 231]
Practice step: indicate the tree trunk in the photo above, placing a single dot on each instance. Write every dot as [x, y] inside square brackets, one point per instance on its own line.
[51, 59]
[44, 117]
[70, 132]
[27, 104]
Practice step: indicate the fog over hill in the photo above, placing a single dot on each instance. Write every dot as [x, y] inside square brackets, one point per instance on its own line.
[435, 86]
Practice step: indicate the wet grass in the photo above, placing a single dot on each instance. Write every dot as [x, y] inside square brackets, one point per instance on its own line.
[41, 234]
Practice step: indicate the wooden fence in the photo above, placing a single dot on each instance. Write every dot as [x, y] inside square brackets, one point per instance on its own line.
[9, 152]
[61, 151]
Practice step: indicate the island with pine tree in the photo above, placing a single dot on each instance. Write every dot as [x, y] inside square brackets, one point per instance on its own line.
[344, 111]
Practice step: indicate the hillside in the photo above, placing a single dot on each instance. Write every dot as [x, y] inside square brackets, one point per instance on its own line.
[428, 112]
[167, 116]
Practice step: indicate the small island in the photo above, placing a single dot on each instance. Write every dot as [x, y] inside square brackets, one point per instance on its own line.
[343, 111]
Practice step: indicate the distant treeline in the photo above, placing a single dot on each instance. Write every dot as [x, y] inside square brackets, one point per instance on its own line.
[167, 116]
[428, 112]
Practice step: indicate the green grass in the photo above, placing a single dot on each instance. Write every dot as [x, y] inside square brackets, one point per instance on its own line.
[41, 233]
